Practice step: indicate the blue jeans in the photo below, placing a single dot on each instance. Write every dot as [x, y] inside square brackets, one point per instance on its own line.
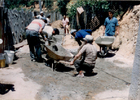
[34, 44]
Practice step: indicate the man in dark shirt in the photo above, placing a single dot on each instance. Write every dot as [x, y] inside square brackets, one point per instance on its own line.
[79, 35]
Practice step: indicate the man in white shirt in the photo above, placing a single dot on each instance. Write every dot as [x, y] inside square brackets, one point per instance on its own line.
[48, 31]
[40, 16]
[32, 33]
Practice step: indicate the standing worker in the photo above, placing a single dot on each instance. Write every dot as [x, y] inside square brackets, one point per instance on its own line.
[65, 22]
[89, 53]
[110, 24]
[79, 35]
[32, 32]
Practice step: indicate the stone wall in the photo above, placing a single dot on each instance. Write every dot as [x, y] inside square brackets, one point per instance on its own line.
[18, 20]
[15, 22]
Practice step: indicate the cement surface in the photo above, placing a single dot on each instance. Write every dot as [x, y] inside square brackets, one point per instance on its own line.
[36, 81]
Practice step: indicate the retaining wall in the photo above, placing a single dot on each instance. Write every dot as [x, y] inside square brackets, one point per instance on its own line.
[15, 22]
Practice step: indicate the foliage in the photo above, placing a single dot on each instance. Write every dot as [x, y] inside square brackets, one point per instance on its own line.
[89, 5]
[11, 4]
[30, 2]
[62, 6]
[49, 4]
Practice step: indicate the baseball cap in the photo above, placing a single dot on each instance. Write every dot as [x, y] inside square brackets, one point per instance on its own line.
[72, 31]
[41, 12]
[88, 38]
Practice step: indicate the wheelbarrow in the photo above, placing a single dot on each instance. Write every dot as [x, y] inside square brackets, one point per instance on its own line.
[104, 42]
[56, 52]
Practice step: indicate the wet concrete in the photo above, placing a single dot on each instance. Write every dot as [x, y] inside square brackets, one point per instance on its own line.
[111, 80]
[58, 85]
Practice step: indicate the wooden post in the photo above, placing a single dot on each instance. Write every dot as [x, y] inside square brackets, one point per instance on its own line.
[40, 6]
[1, 30]
[134, 93]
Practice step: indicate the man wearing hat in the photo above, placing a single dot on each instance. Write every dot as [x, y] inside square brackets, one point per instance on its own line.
[32, 33]
[79, 35]
[89, 53]
[40, 16]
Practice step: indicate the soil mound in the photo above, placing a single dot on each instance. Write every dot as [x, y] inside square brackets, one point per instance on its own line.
[126, 40]
[57, 24]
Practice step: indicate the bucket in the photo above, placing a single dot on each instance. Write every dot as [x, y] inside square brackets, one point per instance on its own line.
[2, 60]
[9, 56]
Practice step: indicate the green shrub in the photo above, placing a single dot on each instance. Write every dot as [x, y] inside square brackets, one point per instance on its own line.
[89, 5]
[62, 6]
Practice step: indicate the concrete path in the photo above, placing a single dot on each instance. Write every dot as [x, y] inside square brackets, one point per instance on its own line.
[36, 81]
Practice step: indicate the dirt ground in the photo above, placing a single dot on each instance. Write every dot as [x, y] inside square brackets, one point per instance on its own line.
[36, 81]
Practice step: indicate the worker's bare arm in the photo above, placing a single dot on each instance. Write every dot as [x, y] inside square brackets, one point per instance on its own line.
[117, 30]
[40, 31]
[75, 58]
[104, 30]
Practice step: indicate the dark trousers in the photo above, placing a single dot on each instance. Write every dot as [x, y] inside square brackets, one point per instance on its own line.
[80, 65]
[34, 44]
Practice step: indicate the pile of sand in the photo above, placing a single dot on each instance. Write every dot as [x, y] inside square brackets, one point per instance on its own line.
[57, 24]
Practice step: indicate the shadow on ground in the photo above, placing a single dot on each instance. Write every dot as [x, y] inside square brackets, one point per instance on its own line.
[62, 68]
[58, 66]
[109, 55]
[5, 88]
[90, 75]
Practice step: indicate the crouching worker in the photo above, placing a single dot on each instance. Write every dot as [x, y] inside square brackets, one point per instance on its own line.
[89, 53]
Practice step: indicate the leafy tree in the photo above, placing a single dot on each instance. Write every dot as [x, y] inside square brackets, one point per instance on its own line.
[17, 3]
[30, 2]
[49, 4]
[62, 6]
[89, 5]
